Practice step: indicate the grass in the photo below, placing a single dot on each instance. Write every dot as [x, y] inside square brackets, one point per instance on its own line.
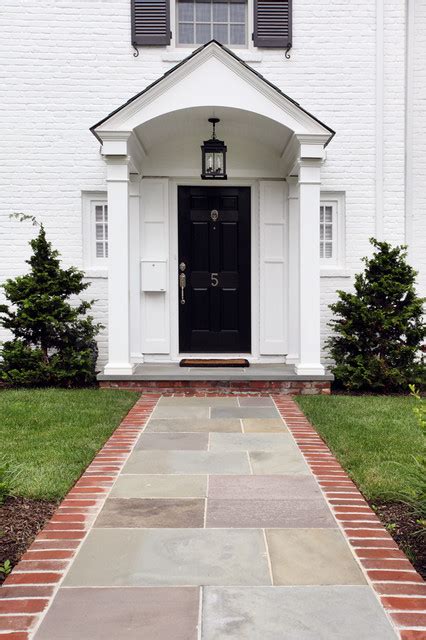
[49, 436]
[375, 438]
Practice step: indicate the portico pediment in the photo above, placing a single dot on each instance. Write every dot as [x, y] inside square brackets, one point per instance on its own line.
[213, 76]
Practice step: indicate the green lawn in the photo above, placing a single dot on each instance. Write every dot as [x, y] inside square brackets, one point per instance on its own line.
[49, 436]
[375, 438]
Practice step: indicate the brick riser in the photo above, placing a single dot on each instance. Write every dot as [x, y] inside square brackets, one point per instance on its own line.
[401, 590]
[226, 387]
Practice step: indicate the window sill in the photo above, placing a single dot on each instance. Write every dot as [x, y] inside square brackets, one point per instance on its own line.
[99, 272]
[177, 54]
[334, 272]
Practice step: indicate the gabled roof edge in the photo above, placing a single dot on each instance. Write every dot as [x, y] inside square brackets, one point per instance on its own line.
[190, 57]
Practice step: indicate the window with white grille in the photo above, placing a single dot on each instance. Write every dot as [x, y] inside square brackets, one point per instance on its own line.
[327, 231]
[101, 230]
[199, 21]
[95, 231]
[332, 229]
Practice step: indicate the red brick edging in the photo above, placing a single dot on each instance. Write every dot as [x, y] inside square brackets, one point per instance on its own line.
[401, 590]
[28, 591]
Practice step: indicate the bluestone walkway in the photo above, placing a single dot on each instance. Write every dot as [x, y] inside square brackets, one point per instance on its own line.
[215, 529]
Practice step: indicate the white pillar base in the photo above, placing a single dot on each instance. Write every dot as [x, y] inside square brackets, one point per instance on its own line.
[119, 369]
[309, 369]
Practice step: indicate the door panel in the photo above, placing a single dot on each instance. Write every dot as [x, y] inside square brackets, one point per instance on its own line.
[215, 316]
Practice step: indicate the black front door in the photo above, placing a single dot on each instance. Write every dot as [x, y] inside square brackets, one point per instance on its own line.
[214, 269]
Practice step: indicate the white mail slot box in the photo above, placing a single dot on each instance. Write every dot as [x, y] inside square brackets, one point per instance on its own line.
[154, 275]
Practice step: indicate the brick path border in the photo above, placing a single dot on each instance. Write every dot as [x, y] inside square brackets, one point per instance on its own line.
[401, 590]
[28, 591]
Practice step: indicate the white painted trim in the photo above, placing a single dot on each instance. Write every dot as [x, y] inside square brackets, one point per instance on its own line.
[379, 129]
[175, 355]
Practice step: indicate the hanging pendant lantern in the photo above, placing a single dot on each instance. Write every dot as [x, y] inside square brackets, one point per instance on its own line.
[213, 156]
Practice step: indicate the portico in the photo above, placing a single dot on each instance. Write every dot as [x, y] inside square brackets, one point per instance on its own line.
[276, 149]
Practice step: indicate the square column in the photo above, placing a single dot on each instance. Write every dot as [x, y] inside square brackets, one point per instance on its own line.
[293, 270]
[309, 362]
[118, 266]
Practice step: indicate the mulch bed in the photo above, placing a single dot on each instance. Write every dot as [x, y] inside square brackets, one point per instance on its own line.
[20, 521]
[402, 525]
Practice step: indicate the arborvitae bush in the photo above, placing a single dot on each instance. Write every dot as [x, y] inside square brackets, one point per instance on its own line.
[54, 341]
[378, 331]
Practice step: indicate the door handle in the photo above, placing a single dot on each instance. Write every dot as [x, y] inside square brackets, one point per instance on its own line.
[182, 282]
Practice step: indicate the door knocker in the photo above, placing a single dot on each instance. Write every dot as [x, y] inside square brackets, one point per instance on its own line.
[214, 214]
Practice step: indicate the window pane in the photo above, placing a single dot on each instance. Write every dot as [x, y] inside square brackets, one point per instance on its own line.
[99, 213]
[328, 232]
[201, 20]
[186, 11]
[203, 11]
[220, 33]
[220, 12]
[186, 33]
[99, 232]
[237, 12]
[328, 250]
[321, 250]
[238, 34]
[202, 32]
[106, 212]
[99, 249]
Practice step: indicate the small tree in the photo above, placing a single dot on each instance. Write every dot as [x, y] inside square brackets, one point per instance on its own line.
[379, 330]
[54, 342]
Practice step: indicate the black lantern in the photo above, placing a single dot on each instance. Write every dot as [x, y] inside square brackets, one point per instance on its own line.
[213, 155]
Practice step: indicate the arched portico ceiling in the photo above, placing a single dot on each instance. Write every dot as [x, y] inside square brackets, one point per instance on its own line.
[213, 76]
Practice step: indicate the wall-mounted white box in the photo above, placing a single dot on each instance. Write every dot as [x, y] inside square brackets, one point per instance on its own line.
[153, 275]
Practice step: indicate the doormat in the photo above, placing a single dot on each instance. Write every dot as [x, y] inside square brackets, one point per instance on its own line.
[216, 362]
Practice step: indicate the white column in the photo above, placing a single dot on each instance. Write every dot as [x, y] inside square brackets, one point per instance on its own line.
[309, 267]
[118, 266]
[293, 270]
[135, 264]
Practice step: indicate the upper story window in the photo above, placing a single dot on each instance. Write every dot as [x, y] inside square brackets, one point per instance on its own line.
[199, 21]
[195, 22]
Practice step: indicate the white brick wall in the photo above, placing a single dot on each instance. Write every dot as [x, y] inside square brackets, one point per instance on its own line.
[67, 63]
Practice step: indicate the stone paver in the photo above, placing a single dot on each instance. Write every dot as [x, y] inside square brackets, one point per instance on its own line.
[215, 529]
[296, 613]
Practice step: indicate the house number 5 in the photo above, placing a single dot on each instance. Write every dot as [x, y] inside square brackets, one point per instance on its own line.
[214, 279]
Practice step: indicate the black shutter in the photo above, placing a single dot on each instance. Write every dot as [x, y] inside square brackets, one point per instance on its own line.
[272, 23]
[150, 22]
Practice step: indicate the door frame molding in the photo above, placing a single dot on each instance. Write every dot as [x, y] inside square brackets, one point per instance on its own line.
[174, 265]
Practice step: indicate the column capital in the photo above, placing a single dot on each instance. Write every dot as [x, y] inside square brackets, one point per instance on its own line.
[310, 171]
[117, 168]
[114, 143]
